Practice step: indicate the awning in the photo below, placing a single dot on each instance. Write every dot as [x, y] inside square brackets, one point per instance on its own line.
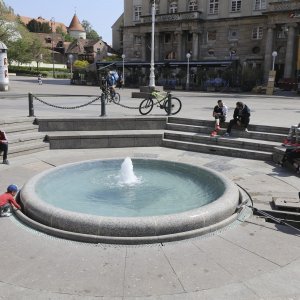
[167, 63]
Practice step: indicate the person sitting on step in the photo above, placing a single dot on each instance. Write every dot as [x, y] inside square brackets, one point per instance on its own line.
[219, 113]
[241, 117]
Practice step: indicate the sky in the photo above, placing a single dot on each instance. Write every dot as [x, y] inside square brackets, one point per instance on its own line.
[101, 14]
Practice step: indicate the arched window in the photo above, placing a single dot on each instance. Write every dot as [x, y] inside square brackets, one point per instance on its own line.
[171, 55]
[193, 5]
[173, 7]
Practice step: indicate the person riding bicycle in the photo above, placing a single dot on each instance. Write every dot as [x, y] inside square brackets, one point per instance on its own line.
[111, 81]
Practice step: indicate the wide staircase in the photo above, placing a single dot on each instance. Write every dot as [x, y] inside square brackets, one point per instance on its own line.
[194, 135]
[172, 132]
[23, 136]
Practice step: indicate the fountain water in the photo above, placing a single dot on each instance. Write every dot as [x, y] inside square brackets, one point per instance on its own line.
[127, 175]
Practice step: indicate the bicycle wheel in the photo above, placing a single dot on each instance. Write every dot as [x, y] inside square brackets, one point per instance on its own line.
[175, 106]
[116, 98]
[146, 106]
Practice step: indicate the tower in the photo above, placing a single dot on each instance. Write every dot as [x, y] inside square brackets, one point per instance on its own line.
[75, 29]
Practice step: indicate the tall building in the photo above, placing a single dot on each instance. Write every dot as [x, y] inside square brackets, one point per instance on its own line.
[213, 32]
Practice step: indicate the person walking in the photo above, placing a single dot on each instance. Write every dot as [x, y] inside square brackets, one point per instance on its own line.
[4, 146]
[219, 113]
[7, 200]
[241, 117]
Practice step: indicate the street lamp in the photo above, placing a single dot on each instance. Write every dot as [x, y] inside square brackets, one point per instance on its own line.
[70, 58]
[152, 74]
[274, 54]
[52, 29]
[188, 56]
[39, 60]
[123, 75]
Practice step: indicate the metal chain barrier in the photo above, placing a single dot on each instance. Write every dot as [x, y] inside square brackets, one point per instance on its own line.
[67, 107]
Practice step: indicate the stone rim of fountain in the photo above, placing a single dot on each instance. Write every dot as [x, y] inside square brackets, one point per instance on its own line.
[131, 230]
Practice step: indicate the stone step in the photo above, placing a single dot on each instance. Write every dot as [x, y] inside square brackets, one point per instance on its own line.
[210, 123]
[241, 143]
[26, 137]
[265, 136]
[16, 121]
[21, 149]
[104, 139]
[19, 128]
[218, 150]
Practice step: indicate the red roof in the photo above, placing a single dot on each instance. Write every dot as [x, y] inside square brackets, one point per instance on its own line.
[75, 24]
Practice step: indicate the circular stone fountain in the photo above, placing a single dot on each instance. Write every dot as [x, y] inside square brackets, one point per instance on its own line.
[151, 201]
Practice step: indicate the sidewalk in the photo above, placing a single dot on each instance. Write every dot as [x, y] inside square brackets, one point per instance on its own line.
[248, 260]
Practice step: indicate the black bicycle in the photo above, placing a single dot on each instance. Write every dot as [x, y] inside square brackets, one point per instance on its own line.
[110, 95]
[162, 101]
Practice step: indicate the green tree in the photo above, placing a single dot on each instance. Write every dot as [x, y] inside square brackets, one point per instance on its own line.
[36, 26]
[66, 36]
[90, 32]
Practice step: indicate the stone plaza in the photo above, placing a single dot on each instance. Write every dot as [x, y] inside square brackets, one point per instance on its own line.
[250, 259]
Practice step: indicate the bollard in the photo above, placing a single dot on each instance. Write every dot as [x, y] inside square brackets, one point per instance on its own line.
[103, 112]
[169, 104]
[30, 105]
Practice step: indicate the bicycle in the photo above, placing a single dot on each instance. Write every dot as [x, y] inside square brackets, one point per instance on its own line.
[110, 95]
[162, 101]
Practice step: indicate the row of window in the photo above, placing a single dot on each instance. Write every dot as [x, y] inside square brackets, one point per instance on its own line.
[213, 7]
[211, 35]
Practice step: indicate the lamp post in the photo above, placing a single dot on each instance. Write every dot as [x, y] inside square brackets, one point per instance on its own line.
[152, 74]
[52, 29]
[70, 58]
[274, 54]
[123, 73]
[188, 56]
[40, 59]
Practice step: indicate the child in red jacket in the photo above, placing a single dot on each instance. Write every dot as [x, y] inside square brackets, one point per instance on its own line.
[7, 200]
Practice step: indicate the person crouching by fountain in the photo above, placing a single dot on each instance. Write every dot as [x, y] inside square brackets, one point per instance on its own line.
[7, 200]
[4, 146]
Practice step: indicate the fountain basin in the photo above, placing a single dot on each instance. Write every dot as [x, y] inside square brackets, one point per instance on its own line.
[154, 226]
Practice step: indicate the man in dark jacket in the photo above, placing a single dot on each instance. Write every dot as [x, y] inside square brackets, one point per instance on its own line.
[241, 117]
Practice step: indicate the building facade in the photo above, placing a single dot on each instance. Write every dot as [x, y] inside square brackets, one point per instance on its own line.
[212, 31]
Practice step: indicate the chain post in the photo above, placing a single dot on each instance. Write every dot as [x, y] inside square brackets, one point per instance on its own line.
[30, 105]
[103, 110]
[169, 104]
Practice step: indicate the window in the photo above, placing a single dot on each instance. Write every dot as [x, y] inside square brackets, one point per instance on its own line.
[171, 55]
[257, 33]
[173, 8]
[137, 12]
[211, 35]
[167, 38]
[137, 40]
[260, 4]
[255, 50]
[282, 32]
[213, 7]
[211, 52]
[236, 5]
[233, 34]
[193, 5]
